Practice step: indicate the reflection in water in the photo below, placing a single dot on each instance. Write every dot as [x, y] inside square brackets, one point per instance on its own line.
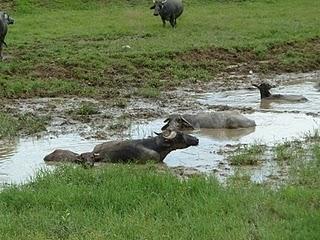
[251, 98]
[22, 163]
[226, 134]
[7, 149]
[21, 159]
[272, 128]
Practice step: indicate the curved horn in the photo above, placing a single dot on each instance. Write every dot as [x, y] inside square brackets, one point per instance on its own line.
[157, 133]
[164, 1]
[170, 135]
[187, 122]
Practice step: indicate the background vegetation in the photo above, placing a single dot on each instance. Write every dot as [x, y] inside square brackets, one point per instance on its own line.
[73, 47]
[81, 47]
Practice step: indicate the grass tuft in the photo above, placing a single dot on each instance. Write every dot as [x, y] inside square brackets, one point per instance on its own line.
[247, 155]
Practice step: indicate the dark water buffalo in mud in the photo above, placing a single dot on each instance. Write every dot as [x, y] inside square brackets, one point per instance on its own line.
[141, 150]
[169, 10]
[214, 120]
[266, 95]
[60, 155]
[5, 20]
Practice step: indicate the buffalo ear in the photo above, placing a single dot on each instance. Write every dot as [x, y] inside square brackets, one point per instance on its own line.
[153, 7]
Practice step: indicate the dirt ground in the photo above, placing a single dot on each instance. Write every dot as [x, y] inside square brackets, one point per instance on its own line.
[110, 117]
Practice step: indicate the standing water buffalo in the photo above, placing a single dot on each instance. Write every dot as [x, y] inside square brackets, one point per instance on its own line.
[266, 95]
[226, 119]
[141, 150]
[169, 10]
[5, 20]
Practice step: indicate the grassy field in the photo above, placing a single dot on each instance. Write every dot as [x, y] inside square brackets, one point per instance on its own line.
[64, 48]
[78, 48]
[140, 202]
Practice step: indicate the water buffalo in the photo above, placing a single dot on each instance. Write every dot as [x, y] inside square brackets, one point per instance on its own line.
[5, 20]
[225, 119]
[169, 10]
[60, 155]
[141, 150]
[266, 95]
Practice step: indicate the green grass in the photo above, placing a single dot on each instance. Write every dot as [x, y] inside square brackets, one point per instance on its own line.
[59, 48]
[139, 202]
[247, 155]
[86, 109]
[289, 151]
[149, 92]
[13, 125]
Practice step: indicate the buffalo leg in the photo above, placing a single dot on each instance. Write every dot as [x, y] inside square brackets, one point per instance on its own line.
[172, 21]
[163, 22]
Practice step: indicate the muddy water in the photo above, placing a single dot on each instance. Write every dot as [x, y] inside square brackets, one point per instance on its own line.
[251, 98]
[20, 159]
[271, 129]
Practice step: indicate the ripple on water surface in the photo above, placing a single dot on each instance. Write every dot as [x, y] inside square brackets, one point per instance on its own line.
[251, 98]
[20, 159]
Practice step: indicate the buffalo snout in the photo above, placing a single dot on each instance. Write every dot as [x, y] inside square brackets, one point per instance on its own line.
[191, 140]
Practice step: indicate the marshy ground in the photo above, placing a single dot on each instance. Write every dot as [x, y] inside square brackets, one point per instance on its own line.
[70, 81]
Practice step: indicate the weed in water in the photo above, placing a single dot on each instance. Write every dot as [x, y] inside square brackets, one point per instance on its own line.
[288, 151]
[247, 155]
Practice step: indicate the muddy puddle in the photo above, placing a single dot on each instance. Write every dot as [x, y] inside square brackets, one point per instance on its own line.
[21, 158]
[215, 144]
[251, 98]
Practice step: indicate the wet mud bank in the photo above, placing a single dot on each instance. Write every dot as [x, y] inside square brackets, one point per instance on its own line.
[79, 124]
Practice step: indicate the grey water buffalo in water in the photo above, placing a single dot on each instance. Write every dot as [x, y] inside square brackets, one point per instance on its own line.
[5, 20]
[225, 119]
[169, 10]
[60, 155]
[266, 95]
[141, 150]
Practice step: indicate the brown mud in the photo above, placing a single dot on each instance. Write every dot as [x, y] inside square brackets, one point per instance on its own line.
[78, 124]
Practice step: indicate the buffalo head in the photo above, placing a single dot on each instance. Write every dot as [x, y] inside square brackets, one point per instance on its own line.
[177, 122]
[6, 18]
[176, 139]
[157, 6]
